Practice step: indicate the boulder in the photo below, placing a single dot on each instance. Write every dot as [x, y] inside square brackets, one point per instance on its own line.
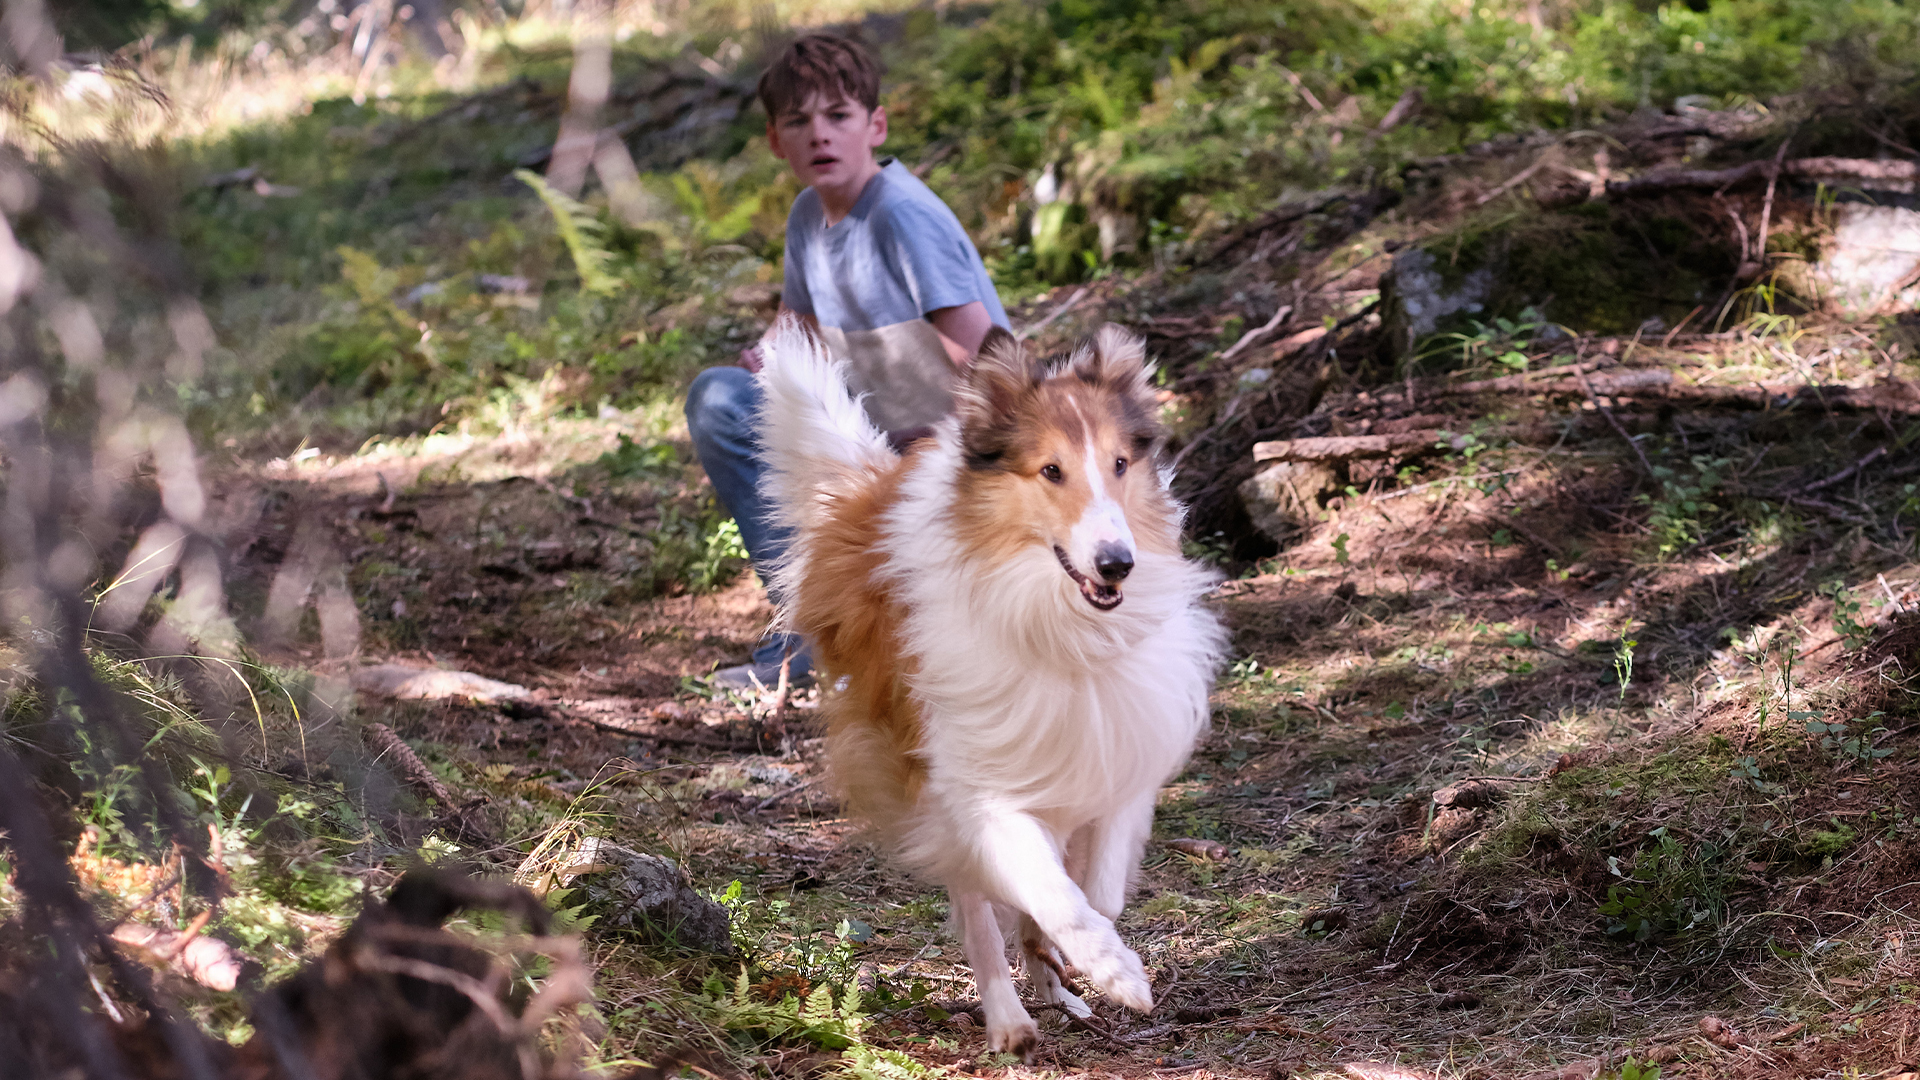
[651, 896]
[1283, 497]
[1872, 264]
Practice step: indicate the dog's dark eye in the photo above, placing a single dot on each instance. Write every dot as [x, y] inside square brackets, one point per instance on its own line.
[1119, 466]
[1052, 472]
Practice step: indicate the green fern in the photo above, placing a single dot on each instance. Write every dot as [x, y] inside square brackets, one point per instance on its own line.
[582, 231]
[818, 1019]
[866, 1062]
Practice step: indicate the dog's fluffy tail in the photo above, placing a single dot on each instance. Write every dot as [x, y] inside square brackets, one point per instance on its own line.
[814, 434]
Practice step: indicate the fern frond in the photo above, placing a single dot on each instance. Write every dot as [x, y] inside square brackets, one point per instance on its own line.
[818, 1009]
[581, 230]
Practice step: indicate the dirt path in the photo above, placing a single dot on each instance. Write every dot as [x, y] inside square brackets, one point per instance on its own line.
[1367, 900]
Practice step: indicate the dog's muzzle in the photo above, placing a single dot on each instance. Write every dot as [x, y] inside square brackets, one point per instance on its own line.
[1104, 595]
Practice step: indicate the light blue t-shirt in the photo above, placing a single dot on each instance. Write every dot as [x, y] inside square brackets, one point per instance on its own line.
[870, 281]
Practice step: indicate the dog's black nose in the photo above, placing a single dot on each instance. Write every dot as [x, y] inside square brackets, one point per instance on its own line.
[1113, 562]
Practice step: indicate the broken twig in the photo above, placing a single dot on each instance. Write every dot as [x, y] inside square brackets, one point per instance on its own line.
[1079, 295]
[1614, 422]
[1871, 456]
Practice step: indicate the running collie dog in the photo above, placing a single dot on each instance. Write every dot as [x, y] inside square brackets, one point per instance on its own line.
[1019, 652]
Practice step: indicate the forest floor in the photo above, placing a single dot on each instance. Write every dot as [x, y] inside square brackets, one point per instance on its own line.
[1568, 730]
[1490, 790]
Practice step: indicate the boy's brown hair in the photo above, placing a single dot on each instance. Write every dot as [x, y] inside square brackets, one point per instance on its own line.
[819, 64]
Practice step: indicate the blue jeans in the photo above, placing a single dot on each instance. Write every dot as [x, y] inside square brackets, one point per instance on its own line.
[723, 409]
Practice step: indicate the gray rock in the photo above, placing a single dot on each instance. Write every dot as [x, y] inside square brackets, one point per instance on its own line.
[651, 896]
[1418, 297]
[1873, 262]
[1283, 498]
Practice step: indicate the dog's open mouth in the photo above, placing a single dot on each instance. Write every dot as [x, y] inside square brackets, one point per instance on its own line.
[1099, 594]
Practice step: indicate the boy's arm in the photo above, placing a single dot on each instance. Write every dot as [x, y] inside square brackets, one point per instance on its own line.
[961, 330]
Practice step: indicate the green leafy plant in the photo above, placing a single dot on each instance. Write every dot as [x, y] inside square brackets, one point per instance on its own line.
[1678, 515]
[1633, 1069]
[631, 460]
[817, 1018]
[1846, 616]
[1747, 771]
[1495, 342]
[1849, 740]
[1623, 659]
[1666, 891]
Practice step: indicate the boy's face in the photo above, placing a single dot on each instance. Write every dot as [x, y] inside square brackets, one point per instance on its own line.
[829, 142]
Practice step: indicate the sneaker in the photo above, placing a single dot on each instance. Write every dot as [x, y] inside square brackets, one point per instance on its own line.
[762, 676]
[764, 666]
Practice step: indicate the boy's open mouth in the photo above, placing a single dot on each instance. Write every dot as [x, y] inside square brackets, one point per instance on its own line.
[1101, 595]
[823, 161]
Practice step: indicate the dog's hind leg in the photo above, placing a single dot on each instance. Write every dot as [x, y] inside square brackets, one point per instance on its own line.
[1009, 1029]
[1046, 972]
[1112, 854]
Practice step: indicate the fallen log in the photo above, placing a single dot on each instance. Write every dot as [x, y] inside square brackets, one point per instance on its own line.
[1532, 380]
[1904, 174]
[1895, 397]
[1344, 447]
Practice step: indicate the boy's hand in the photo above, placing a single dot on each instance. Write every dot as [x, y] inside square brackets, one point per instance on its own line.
[750, 358]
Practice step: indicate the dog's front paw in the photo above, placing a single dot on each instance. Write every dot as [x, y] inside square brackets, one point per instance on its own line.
[1014, 1037]
[1118, 971]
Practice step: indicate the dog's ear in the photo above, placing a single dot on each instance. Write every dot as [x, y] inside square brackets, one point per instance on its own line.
[1117, 358]
[988, 396]
[999, 339]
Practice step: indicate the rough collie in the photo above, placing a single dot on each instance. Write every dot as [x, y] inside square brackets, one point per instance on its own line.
[1019, 654]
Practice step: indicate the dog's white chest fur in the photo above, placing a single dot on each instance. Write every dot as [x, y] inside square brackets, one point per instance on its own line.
[1028, 695]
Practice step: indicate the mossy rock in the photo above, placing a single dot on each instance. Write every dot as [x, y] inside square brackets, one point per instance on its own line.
[1602, 267]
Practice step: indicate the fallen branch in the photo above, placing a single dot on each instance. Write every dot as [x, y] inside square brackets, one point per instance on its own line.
[385, 743]
[1531, 380]
[1402, 109]
[1512, 182]
[1872, 456]
[1079, 295]
[1896, 397]
[1614, 422]
[1278, 216]
[1253, 336]
[1282, 351]
[1766, 205]
[659, 734]
[1818, 506]
[782, 796]
[1299, 342]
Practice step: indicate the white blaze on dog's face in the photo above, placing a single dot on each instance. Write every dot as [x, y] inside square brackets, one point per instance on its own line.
[1061, 455]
